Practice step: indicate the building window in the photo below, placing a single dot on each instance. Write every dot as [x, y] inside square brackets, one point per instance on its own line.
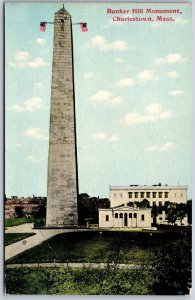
[136, 194]
[135, 215]
[154, 194]
[107, 218]
[181, 194]
[142, 194]
[160, 194]
[160, 218]
[121, 216]
[116, 216]
[154, 202]
[166, 194]
[130, 216]
[148, 194]
[142, 217]
[130, 194]
[160, 203]
[121, 195]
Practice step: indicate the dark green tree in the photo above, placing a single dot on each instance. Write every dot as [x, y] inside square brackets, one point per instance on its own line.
[172, 269]
[189, 211]
[171, 216]
[180, 215]
[19, 212]
[155, 212]
[144, 203]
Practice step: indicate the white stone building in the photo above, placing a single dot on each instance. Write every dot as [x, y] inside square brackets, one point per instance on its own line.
[156, 194]
[122, 215]
[125, 217]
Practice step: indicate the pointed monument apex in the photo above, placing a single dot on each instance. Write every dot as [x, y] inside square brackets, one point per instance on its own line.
[62, 10]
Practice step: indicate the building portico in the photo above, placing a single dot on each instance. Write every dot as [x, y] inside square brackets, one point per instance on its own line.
[125, 217]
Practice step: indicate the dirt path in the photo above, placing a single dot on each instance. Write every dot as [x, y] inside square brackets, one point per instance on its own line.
[39, 237]
[73, 265]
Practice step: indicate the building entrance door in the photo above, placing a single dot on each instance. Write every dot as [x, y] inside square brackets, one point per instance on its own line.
[125, 219]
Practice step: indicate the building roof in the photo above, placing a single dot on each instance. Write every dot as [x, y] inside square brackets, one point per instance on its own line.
[124, 208]
[146, 187]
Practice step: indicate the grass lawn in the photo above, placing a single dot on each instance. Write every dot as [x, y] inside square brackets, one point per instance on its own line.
[11, 238]
[59, 281]
[121, 247]
[17, 221]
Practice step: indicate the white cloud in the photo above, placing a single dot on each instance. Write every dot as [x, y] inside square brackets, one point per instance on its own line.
[163, 148]
[31, 104]
[116, 101]
[35, 132]
[36, 63]
[101, 96]
[169, 59]
[103, 45]
[22, 60]
[99, 136]
[145, 75]
[41, 41]
[102, 136]
[106, 97]
[38, 85]
[114, 138]
[154, 113]
[89, 75]
[22, 56]
[153, 109]
[172, 74]
[118, 60]
[176, 93]
[125, 82]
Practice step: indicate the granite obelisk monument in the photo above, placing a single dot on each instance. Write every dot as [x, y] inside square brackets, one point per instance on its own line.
[62, 186]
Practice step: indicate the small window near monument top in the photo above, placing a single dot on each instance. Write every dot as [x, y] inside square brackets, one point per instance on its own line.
[107, 217]
[62, 21]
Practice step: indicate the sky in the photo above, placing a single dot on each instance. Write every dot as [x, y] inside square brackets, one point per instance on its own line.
[133, 97]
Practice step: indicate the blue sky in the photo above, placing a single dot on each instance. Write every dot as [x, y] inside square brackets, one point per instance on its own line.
[133, 98]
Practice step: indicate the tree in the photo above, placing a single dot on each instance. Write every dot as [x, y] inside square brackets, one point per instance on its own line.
[144, 203]
[19, 212]
[40, 212]
[180, 215]
[155, 212]
[189, 211]
[171, 216]
[172, 269]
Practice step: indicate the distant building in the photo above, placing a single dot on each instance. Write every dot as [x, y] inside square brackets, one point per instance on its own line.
[155, 194]
[124, 213]
[28, 205]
